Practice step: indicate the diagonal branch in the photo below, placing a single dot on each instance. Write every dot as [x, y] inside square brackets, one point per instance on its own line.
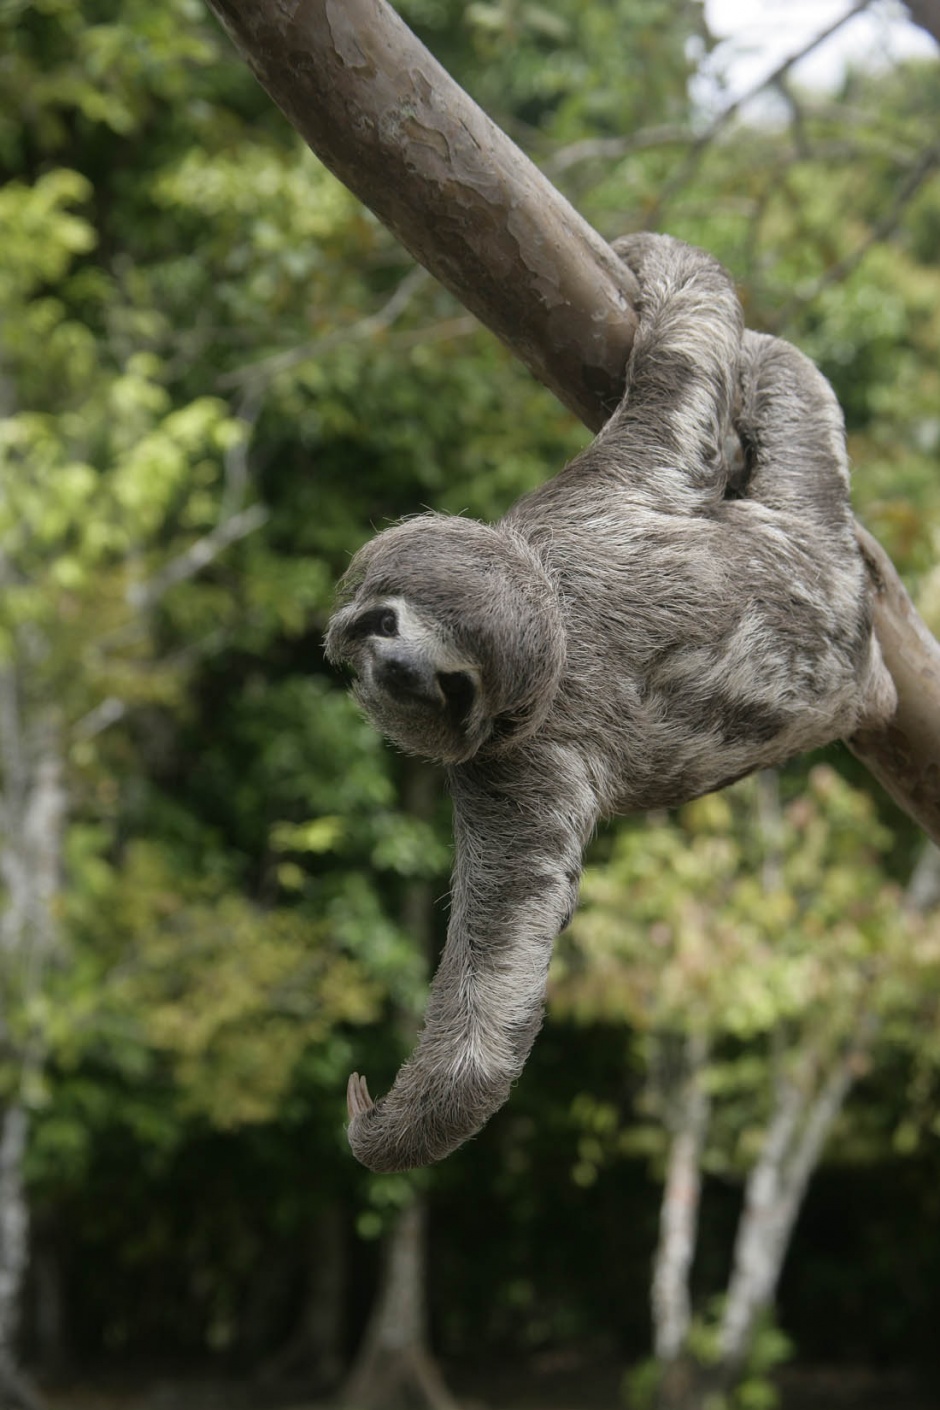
[926, 13]
[904, 755]
[678, 1220]
[392, 124]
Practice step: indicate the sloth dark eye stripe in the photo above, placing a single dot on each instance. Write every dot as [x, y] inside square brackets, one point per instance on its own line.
[380, 621]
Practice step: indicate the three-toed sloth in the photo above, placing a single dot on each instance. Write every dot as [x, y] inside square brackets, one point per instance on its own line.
[644, 628]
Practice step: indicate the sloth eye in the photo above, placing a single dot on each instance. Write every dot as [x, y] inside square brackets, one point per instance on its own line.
[457, 687]
[382, 621]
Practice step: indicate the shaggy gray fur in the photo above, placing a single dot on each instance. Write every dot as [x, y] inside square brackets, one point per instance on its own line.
[637, 631]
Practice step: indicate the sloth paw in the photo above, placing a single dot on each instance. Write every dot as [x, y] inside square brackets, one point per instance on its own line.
[358, 1100]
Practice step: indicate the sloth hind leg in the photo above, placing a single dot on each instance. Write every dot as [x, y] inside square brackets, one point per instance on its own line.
[793, 433]
[675, 418]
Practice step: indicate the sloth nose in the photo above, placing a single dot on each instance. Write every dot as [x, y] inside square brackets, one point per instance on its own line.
[400, 676]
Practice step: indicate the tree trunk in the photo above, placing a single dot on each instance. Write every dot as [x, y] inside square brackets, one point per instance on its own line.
[313, 1354]
[774, 1193]
[394, 1367]
[800, 1122]
[14, 1223]
[680, 1385]
[15, 1391]
[394, 1370]
[32, 807]
[678, 1227]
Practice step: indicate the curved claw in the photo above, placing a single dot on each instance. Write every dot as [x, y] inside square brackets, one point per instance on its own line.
[358, 1100]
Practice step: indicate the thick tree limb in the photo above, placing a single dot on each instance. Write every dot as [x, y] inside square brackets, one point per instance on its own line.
[904, 755]
[926, 13]
[384, 116]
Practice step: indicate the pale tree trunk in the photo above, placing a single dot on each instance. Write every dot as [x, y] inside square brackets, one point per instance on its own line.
[394, 1366]
[804, 1108]
[687, 1118]
[15, 1390]
[14, 1222]
[32, 812]
[803, 1116]
[800, 1123]
[803, 1112]
[801, 1119]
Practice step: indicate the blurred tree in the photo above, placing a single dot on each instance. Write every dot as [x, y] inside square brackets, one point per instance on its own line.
[90, 476]
[758, 953]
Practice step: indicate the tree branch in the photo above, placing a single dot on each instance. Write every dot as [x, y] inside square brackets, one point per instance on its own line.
[198, 556]
[393, 125]
[926, 13]
[904, 755]
[384, 116]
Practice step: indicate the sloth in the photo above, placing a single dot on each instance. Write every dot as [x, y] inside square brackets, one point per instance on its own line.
[653, 623]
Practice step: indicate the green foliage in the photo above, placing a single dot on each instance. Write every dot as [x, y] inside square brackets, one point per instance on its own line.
[562, 69]
[776, 935]
[755, 1389]
[230, 995]
[747, 923]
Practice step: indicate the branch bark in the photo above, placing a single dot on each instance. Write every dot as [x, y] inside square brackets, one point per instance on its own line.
[904, 755]
[393, 125]
[384, 116]
[926, 13]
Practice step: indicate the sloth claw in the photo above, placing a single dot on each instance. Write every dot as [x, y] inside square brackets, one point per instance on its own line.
[358, 1100]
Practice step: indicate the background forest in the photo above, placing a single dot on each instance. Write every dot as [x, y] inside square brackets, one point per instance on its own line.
[222, 892]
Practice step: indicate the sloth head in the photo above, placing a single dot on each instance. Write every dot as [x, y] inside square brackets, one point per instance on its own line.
[453, 632]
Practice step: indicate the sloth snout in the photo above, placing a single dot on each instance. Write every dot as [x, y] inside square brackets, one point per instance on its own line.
[399, 675]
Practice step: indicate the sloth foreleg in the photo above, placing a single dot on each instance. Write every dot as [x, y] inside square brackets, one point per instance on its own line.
[519, 841]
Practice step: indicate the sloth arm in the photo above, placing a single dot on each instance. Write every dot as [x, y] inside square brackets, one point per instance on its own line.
[520, 825]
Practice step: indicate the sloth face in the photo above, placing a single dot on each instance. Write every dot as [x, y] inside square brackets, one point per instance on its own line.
[411, 679]
[454, 633]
